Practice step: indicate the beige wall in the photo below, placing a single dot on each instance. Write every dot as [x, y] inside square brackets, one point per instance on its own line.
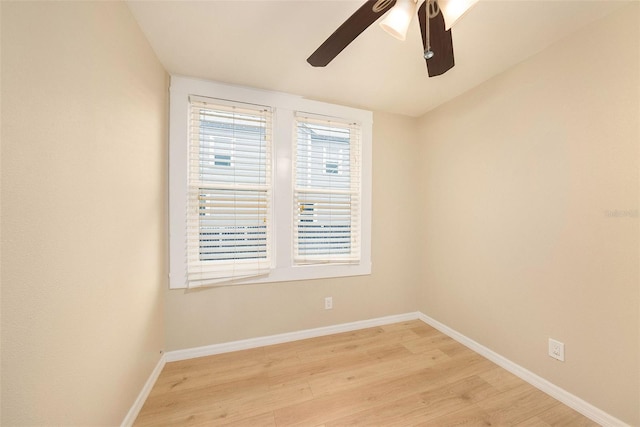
[520, 178]
[83, 212]
[216, 315]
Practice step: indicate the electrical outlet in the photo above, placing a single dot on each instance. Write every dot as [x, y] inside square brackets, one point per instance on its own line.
[328, 303]
[556, 349]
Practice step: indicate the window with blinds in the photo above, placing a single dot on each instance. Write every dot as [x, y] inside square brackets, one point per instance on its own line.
[327, 191]
[229, 191]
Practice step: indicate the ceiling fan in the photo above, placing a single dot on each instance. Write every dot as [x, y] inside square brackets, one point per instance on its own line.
[436, 32]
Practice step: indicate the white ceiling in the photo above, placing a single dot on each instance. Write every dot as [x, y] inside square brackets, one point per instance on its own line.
[265, 43]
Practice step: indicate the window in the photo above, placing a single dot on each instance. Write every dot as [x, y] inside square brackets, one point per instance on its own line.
[331, 168]
[327, 191]
[265, 187]
[222, 160]
[229, 202]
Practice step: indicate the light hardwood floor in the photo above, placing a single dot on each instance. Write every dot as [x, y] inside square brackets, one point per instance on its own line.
[404, 374]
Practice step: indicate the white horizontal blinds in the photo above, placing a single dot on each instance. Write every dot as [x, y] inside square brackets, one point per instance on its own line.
[229, 209]
[327, 193]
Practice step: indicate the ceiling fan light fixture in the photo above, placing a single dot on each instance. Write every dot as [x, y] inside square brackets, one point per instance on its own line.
[452, 10]
[397, 21]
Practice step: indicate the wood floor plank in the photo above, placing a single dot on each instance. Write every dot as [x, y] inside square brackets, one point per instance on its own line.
[371, 373]
[424, 406]
[388, 351]
[423, 330]
[517, 405]
[472, 416]
[535, 422]
[501, 379]
[403, 374]
[260, 420]
[357, 344]
[562, 415]
[206, 408]
[427, 343]
[318, 343]
[402, 326]
[318, 367]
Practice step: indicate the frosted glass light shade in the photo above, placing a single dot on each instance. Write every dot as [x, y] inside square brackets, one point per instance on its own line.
[452, 10]
[397, 21]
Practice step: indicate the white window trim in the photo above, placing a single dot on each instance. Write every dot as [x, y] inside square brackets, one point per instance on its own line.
[285, 106]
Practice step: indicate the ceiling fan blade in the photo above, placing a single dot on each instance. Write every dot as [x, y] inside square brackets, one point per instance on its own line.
[349, 30]
[441, 42]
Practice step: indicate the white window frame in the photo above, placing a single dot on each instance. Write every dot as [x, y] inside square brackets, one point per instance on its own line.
[284, 107]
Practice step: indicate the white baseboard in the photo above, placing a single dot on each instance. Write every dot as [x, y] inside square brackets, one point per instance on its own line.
[208, 350]
[144, 393]
[588, 410]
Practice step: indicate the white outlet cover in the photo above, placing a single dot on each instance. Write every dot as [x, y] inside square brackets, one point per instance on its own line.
[556, 349]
